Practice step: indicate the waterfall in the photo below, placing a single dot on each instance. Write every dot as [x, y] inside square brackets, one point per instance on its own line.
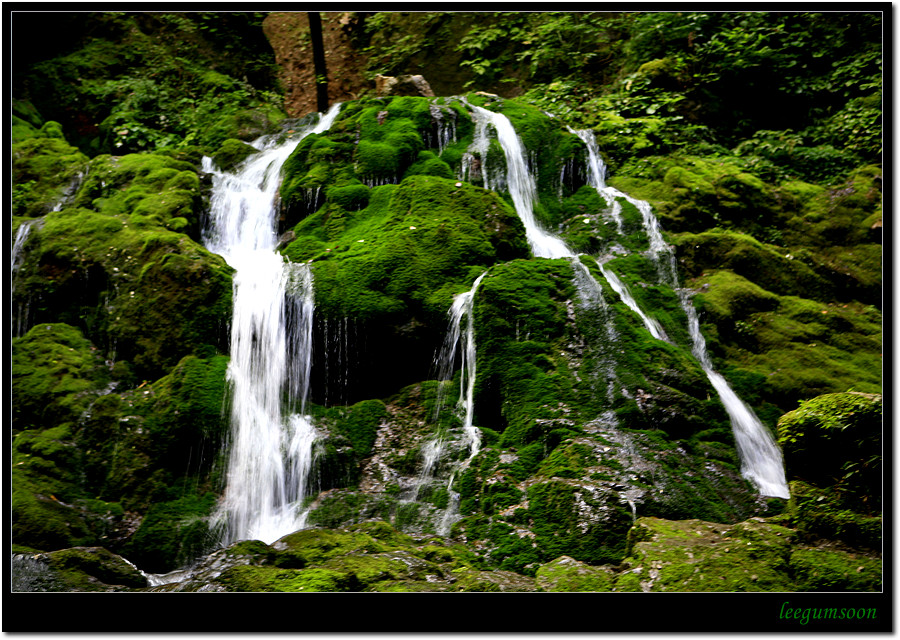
[270, 446]
[463, 305]
[521, 184]
[20, 308]
[19, 243]
[621, 288]
[761, 460]
[464, 341]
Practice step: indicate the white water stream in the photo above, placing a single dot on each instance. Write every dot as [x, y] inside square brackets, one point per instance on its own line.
[761, 459]
[521, 184]
[270, 447]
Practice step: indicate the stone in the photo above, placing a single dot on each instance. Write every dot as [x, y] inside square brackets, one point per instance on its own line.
[408, 85]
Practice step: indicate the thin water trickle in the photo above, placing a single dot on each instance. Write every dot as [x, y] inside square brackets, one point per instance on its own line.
[463, 339]
[271, 442]
[621, 288]
[761, 459]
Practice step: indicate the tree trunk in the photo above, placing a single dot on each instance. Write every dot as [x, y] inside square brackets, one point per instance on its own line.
[315, 35]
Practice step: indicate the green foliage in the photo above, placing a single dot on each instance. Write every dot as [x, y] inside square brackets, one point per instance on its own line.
[146, 82]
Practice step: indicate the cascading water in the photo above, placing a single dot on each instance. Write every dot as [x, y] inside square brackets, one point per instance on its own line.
[463, 306]
[464, 341]
[271, 440]
[761, 459]
[621, 288]
[521, 185]
[20, 310]
[22, 234]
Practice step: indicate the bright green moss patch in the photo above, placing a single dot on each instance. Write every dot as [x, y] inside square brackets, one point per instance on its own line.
[256, 579]
[313, 546]
[53, 369]
[566, 574]
[692, 555]
[187, 414]
[44, 169]
[826, 570]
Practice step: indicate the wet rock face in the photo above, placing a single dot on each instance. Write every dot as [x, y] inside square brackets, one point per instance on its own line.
[409, 85]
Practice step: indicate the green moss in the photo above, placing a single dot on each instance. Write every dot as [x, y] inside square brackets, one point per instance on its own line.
[430, 165]
[826, 570]
[44, 167]
[38, 518]
[78, 565]
[360, 424]
[314, 546]
[836, 438]
[231, 153]
[692, 555]
[264, 579]
[765, 265]
[352, 197]
[186, 414]
[520, 313]
[53, 370]
[566, 574]
[173, 533]
[553, 507]
[731, 297]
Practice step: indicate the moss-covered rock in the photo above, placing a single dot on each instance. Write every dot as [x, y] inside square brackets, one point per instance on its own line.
[835, 440]
[231, 153]
[45, 171]
[173, 534]
[154, 293]
[691, 555]
[75, 569]
[54, 370]
[567, 574]
[827, 570]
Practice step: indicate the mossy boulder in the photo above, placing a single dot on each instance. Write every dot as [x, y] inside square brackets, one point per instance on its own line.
[394, 266]
[825, 570]
[567, 574]
[692, 555]
[84, 566]
[82, 569]
[55, 369]
[173, 534]
[45, 171]
[155, 292]
[835, 439]
[231, 153]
